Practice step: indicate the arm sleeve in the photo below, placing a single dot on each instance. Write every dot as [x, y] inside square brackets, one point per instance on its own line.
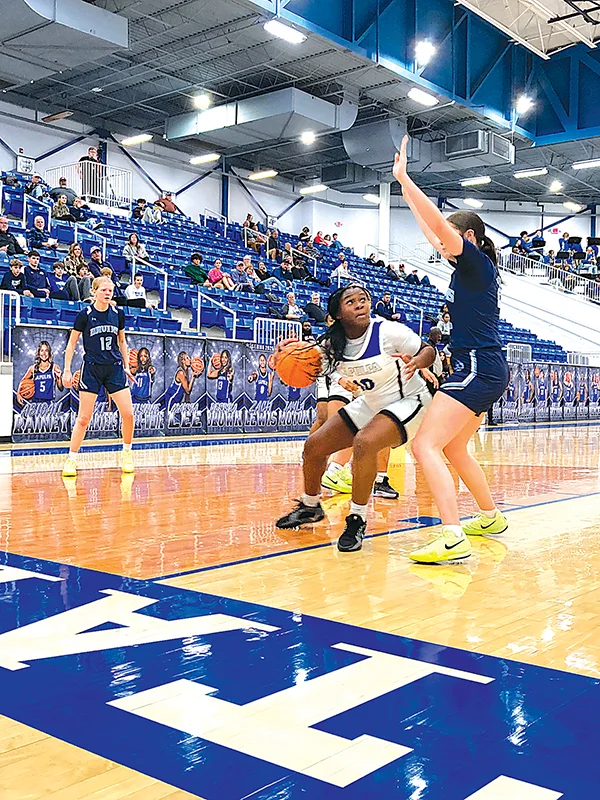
[121, 323]
[474, 267]
[400, 339]
[80, 323]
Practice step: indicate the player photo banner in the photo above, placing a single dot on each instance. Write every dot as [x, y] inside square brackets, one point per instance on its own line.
[526, 412]
[569, 392]
[41, 404]
[510, 402]
[541, 373]
[261, 384]
[594, 392]
[226, 396]
[556, 392]
[183, 399]
[147, 365]
[582, 392]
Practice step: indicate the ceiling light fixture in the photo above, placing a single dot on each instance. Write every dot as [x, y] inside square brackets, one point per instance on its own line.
[531, 173]
[96, 89]
[263, 175]
[308, 137]
[425, 99]
[316, 189]
[472, 202]
[424, 52]
[372, 198]
[291, 35]
[139, 139]
[205, 158]
[556, 186]
[595, 162]
[202, 101]
[479, 181]
[574, 207]
[523, 105]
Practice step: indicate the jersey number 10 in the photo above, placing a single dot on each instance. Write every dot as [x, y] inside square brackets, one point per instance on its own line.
[366, 384]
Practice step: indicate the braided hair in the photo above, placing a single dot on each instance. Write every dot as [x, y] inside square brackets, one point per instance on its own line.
[333, 341]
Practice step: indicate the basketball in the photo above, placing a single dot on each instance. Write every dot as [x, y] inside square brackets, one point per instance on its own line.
[299, 364]
[216, 360]
[197, 365]
[26, 389]
[133, 359]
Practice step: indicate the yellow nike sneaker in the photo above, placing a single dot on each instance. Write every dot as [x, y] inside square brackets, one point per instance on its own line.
[481, 525]
[445, 547]
[337, 482]
[70, 468]
[127, 464]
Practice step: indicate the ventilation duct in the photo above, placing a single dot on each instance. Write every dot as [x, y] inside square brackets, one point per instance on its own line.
[283, 114]
[375, 144]
[351, 176]
[42, 37]
[479, 149]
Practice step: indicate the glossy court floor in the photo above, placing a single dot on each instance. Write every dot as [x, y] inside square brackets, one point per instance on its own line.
[159, 638]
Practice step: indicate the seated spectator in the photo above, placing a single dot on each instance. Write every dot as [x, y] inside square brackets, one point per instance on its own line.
[240, 278]
[314, 309]
[74, 259]
[35, 188]
[290, 309]
[8, 242]
[310, 250]
[248, 221]
[254, 238]
[445, 327]
[38, 237]
[62, 188]
[134, 249]
[414, 279]
[139, 210]
[335, 242]
[304, 234]
[341, 273]
[549, 258]
[166, 203]
[285, 273]
[96, 262]
[319, 238]
[35, 278]
[307, 334]
[135, 293]
[81, 212]
[376, 262]
[443, 310]
[219, 279]
[84, 284]
[61, 211]
[327, 240]
[523, 244]
[273, 249]
[385, 309]
[58, 282]
[14, 279]
[266, 281]
[194, 269]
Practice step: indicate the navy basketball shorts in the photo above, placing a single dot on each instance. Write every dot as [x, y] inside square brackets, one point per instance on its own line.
[94, 376]
[479, 378]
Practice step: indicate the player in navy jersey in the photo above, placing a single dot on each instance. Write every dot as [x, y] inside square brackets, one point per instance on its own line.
[141, 391]
[222, 372]
[480, 371]
[45, 374]
[105, 364]
[540, 383]
[595, 388]
[555, 387]
[528, 390]
[263, 378]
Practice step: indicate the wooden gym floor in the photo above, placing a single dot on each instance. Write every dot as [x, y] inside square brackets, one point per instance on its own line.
[200, 519]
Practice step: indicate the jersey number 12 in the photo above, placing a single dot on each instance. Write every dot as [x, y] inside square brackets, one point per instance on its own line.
[106, 342]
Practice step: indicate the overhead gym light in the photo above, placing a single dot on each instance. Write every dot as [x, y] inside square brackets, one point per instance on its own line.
[424, 98]
[424, 52]
[205, 158]
[555, 186]
[308, 137]
[472, 202]
[574, 207]
[595, 162]
[523, 105]
[202, 101]
[139, 139]
[285, 32]
[531, 173]
[478, 181]
[263, 175]
[316, 189]
[372, 198]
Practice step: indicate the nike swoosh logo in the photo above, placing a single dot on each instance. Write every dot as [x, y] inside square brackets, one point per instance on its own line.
[452, 546]
[488, 526]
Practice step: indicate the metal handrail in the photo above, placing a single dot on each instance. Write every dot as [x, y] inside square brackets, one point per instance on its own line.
[163, 272]
[562, 279]
[12, 320]
[215, 215]
[217, 303]
[35, 201]
[411, 305]
[304, 255]
[79, 227]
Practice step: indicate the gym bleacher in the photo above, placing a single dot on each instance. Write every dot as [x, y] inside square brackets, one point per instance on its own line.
[169, 246]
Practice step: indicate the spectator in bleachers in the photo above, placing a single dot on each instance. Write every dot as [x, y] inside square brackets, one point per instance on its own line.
[589, 264]
[166, 204]
[81, 212]
[523, 244]
[135, 292]
[89, 170]
[385, 309]
[14, 279]
[443, 310]
[74, 259]
[445, 327]
[290, 309]
[299, 270]
[139, 210]
[96, 262]
[304, 234]
[38, 237]
[254, 238]
[194, 269]
[219, 279]
[563, 242]
[549, 258]
[414, 279]
[58, 282]
[35, 278]
[266, 281]
[248, 221]
[327, 240]
[84, 284]
[319, 239]
[285, 273]
[61, 211]
[341, 273]
[314, 309]
[8, 242]
[134, 249]
[335, 242]
[307, 334]
[240, 278]
[35, 188]
[273, 249]
[311, 251]
[62, 188]
[376, 262]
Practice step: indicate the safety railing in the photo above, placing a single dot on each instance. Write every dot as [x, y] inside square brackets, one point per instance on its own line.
[517, 352]
[267, 332]
[305, 257]
[211, 300]
[10, 315]
[95, 182]
[82, 232]
[560, 279]
[210, 214]
[342, 279]
[584, 359]
[401, 301]
[139, 262]
[42, 208]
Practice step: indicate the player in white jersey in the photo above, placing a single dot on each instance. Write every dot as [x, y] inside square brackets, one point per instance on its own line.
[382, 358]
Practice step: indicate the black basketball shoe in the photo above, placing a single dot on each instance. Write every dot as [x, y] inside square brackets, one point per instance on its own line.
[301, 515]
[353, 535]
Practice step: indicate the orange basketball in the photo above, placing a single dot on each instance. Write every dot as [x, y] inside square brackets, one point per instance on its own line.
[26, 389]
[133, 359]
[197, 365]
[299, 364]
[216, 360]
[76, 377]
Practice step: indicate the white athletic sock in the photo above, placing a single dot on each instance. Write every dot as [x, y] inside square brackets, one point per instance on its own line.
[311, 500]
[380, 476]
[73, 455]
[332, 468]
[455, 529]
[489, 514]
[360, 511]
[126, 447]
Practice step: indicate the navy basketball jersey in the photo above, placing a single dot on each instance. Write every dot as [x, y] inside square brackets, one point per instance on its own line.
[594, 392]
[569, 392]
[100, 334]
[555, 392]
[541, 389]
[510, 392]
[528, 394]
[473, 301]
[44, 386]
[223, 388]
[262, 387]
[142, 388]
